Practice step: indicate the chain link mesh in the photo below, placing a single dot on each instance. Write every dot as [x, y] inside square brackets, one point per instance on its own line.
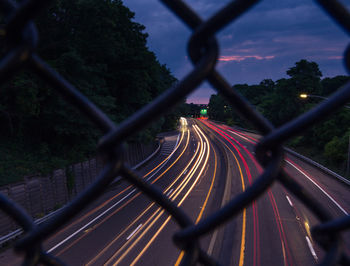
[21, 36]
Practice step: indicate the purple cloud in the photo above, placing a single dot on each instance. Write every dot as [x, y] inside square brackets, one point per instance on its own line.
[262, 43]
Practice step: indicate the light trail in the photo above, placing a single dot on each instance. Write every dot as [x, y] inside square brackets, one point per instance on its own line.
[303, 172]
[317, 185]
[94, 259]
[204, 205]
[274, 207]
[284, 243]
[145, 211]
[173, 196]
[180, 203]
[115, 196]
[313, 181]
[116, 204]
[89, 223]
[256, 234]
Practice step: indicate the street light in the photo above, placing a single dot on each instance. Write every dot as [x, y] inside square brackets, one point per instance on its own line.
[304, 96]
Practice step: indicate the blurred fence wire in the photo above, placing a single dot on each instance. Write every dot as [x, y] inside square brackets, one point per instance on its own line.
[21, 37]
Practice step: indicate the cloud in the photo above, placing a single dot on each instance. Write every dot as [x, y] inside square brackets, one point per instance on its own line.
[297, 39]
[262, 43]
[239, 58]
[336, 57]
[324, 58]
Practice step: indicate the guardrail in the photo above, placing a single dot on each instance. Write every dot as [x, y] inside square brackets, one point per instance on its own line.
[16, 233]
[320, 166]
[305, 159]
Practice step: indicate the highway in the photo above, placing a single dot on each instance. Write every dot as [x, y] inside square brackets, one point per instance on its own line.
[200, 167]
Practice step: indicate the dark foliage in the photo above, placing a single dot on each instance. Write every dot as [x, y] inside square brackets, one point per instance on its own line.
[97, 47]
[280, 102]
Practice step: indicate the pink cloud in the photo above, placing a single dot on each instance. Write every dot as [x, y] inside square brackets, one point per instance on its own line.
[239, 58]
[336, 57]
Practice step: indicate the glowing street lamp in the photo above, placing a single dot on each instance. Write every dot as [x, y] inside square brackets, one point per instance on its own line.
[304, 96]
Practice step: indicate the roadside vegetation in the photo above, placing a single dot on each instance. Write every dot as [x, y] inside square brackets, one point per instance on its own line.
[280, 102]
[97, 47]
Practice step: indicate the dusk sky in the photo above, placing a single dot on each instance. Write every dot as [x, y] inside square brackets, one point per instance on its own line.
[263, 43]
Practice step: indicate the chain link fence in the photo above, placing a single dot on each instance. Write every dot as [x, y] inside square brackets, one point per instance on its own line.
[21, 36]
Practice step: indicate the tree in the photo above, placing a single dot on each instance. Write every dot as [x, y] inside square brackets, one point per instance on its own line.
[97, 47]
[217, 107]
[306, 76]
[336, 150]
[279, 102]
[330, 85]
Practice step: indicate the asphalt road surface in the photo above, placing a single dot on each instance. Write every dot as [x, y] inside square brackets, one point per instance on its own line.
[200, 168]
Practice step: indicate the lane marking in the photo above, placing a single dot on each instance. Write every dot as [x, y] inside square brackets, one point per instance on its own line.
[117, 203]
[133, 232]
[330, 197]
[302, 172]
[211, 246]
[273, 204]
[289, 201]
[171, 190]
[243, 237]
[324, 192]
[109, 200]
[176, 193]
[167, 159]
[311, 248]
[205, 202]
[86, 225]
[141, 215]
[212, 242]
[177, 140]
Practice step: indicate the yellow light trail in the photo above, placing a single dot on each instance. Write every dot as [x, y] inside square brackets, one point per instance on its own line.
[179, 204]
[241, 255]
[109, 200]
[182, 134]
[173, 196]
[135, 220]
[157, 211]
[204, 205]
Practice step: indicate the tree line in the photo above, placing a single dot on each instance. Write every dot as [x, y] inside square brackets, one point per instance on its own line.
[280, 102]
[97, 47]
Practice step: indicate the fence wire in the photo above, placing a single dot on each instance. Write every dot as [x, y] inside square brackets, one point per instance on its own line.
[21, 37]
